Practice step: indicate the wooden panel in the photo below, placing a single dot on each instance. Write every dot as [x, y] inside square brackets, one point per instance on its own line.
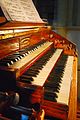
[61, 42]
[73, 94]
[8, 46]
[19, 24]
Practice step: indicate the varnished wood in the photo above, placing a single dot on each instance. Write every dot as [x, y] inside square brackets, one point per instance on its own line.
[73, 94]
[8, 46]
[2, 19]
[36, 33]
[18, 24]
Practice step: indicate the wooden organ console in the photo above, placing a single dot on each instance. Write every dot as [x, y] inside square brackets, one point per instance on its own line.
[38, 73]
[41, 66]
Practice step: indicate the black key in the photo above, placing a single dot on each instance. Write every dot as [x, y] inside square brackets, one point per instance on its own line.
[24, 80]
[26, 77]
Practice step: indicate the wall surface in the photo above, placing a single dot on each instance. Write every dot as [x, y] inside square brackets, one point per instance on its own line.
[74, 36]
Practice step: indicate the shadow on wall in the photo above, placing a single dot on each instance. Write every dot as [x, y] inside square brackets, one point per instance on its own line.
[74, 36]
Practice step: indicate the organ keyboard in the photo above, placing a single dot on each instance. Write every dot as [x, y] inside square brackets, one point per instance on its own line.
[40, 66]
[64, 92]
[18, 61]
[42, 76]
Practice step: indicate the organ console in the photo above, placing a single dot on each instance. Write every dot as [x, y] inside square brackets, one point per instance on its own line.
[41, 67]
